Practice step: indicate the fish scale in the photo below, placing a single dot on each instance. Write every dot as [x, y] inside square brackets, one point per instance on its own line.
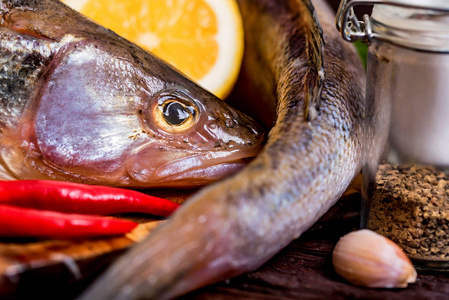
[22, 61]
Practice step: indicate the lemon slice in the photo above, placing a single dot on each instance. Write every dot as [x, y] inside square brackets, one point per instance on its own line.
[201, 38]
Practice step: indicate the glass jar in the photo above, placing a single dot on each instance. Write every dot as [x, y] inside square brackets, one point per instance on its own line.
[405, 177]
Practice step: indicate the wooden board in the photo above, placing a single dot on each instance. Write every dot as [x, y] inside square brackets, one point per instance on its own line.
[57, 268]
[50, 260]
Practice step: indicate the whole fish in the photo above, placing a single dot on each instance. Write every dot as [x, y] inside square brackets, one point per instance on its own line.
[79, 103]
[311, 156]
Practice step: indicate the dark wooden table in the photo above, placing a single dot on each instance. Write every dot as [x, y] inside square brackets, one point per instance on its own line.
[303, 270]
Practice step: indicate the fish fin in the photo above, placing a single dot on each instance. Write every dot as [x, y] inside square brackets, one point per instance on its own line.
[314, 78]
[47, 19]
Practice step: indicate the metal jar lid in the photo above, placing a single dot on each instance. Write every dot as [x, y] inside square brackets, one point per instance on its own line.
[414, 24]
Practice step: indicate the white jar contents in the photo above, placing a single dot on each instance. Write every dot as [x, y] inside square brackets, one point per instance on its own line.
[419, 87]
[419, 129]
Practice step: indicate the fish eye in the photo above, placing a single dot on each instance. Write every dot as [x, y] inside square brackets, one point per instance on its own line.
[175, 114]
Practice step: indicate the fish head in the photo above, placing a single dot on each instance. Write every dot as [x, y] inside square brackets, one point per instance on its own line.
[105, 111]
[196, 138]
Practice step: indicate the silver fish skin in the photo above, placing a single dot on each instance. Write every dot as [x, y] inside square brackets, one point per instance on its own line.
[79, 103]
[236, 225]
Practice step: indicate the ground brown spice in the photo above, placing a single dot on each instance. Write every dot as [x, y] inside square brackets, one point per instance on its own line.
[410, 205]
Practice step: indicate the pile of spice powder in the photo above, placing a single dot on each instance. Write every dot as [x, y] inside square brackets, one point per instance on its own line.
[410, 206]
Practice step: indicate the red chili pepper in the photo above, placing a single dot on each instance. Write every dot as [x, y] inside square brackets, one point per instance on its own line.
[24, 222]
[81, 198]
[39, 199]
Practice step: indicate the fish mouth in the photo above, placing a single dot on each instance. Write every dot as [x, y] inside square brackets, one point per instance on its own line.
[206, 174]
[195, 169]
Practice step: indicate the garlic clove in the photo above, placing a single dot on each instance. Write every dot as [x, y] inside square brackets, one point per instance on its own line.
[369, 259]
